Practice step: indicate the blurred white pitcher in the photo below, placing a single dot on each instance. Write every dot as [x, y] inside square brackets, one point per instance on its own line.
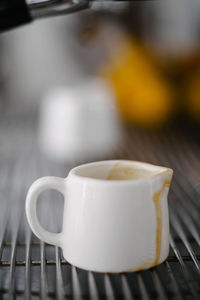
[115, 215]
[78, 123]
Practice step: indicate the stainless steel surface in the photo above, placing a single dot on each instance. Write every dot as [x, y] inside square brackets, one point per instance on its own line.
[31, 269]
[47, 8]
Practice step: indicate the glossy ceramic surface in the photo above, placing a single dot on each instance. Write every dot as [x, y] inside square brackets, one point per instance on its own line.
[115, 215]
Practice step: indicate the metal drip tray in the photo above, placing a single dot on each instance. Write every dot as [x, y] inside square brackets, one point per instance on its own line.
[31, 269]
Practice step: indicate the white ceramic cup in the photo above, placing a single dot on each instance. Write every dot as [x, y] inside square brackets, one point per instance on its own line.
[115, 215]
[79, 122]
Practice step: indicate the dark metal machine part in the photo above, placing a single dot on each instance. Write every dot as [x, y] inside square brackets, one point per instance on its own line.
[18, 12]
[31, 269]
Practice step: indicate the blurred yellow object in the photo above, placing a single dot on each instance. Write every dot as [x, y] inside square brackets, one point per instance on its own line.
[143, 96]
[193, 96]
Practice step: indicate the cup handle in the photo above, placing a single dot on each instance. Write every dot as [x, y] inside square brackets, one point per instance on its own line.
[35, 190]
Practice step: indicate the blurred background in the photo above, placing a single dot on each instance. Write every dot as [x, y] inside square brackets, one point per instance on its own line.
[119, 80]
[150, 44]
[147, 52]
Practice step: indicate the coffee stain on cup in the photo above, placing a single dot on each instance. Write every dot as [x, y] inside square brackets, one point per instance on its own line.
[123, 171]
[149, 263]
[157, 202]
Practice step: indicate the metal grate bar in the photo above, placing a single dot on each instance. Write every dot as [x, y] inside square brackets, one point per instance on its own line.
[76, 289]
[158, 285]
[108, 288]
[144, 293]
[126, 288]
[12, 264]
[178, 228]
[176, 290]
[185, 205]
[92, 287]
[28, 265]
[20, 263]
[3, 231]
[181, 164]
[186, 274]
[59, 280]
[16, 217]
[43, 271]
[189, 222]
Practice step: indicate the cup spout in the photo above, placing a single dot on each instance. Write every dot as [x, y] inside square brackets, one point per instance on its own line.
[168, 175]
